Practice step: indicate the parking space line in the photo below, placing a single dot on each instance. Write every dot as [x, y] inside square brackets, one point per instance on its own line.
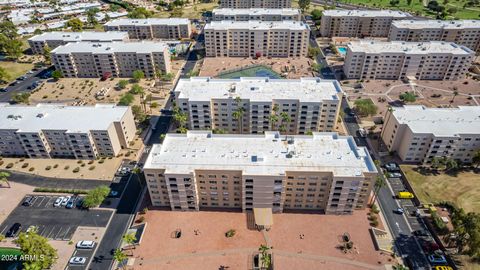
[49, 202]
[40, 201]
[40, 229]
[66, 233]
[4, 230]
[51, 231]
[58, 234]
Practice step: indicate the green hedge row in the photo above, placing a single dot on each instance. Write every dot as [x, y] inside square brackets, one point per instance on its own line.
[60, 190]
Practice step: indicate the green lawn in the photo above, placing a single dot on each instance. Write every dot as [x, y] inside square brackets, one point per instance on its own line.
[417, 7]
[14, 69]
[462, 189]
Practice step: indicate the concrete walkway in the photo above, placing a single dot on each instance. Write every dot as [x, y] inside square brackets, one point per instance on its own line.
[303, 256]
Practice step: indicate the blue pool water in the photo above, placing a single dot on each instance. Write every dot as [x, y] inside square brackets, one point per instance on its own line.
[342, 50]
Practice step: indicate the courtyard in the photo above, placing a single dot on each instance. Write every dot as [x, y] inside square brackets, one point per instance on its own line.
[306, 240]
[289, 68]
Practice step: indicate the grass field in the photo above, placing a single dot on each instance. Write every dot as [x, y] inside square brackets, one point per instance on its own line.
[310, 8]
[463, 189]
[15, 70]
[417, 7]
[191, 12]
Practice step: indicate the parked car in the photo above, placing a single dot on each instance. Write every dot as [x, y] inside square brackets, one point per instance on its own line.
[429, 246]
[3, 90]
[58, 201]
[405, 195]
[392, 167]
[113, 194]
[399, 211]
[437, 259]
[79, 203]
[28, 201]
[443, 267]
[12, 232]
[420, 233]
[362, 132]
[77, 260]
[394, 175]
[65, 200]
[70, 203]
[21, 78]
[85, 244]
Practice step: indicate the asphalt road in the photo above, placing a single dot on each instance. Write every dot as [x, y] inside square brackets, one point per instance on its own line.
[118, 225]
[404, 240]
[21, 86]
[326, 72]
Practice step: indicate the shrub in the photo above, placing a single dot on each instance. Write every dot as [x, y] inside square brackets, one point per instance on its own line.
[24, 165]
[55, 166]
[90, 162]
[141, 219]
[76, 170]
[91, 168]
[31, 169]
[96, 196]
[22, 159]
[48, 168]
[230, 233]
[80, 162]
[374, 223]
[9, 165]
[144, 210]
[83, 165]
[60, 190]
[66, 167]
[1, 162]
[101, 161]
[375, 209]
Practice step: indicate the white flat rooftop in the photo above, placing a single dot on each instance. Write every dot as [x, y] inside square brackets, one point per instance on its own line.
[436, 24]
[440, 121]
[81, 36]
[59, 117]
[380, 47]
[268, 154]
[365, 13]
[150, 21]
[256, 11]
[256, 25]
[258, 89]
[112, 47]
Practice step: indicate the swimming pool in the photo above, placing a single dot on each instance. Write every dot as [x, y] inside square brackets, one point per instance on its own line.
[342, 50]
[258, 71]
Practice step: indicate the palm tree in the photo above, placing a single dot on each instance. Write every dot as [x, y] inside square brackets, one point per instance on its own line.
[180, 118]
[119, 256]
[476, 159]
[379, 183]
[238, 113]
[455, 93]
[4, 178]
[451, 164]
[266, 259]
[286, 119]
[273, 118]
[130, 239]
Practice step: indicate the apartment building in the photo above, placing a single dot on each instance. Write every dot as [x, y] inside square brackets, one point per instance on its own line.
[255, 4]
[358, 23]
[435, 60]
[60, 131]
[118, 59]
[256, 105]
[54, 39]
[200, 170]
[465, 33]
[166, 28]
[419, 134]
[256, 14]
[256, 39]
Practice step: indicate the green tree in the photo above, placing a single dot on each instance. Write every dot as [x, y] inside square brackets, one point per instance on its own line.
[455, 94]
[266, 257]
[119, 256]
[4, 76]
[286, 119]
[238, 113]
[365, 107]
[436, 163]
[451, 164]
[130, 239]
[13, 48]
[313, 52]
[21, 98]
[4, 178]
[126, 99]
[408, 97]
[138, 113]
[38, 31]
[180, 119]
[91, 19]
[394, 3]
[75, 24]
[37, 247]
[140, 13]
[8, 29]
[379, 183]
[96, 196]
[56, 75]
[137, 90]
[304, 5]
[138, 75]
[316, 14]
[476, 159]
[47, 54]
[122, 84]
[316, 67]
[409, 2]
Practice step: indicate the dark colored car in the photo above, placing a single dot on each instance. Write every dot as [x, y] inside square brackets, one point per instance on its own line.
[71, 203]
[12, 232]
[28, 201]
[80, 203]
[420, 233]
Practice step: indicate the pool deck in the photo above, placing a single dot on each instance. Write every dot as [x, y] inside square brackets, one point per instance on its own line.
[296, 67]
[255, 71]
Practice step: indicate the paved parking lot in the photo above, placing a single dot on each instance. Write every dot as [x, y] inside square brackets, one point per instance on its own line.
[57, 223]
